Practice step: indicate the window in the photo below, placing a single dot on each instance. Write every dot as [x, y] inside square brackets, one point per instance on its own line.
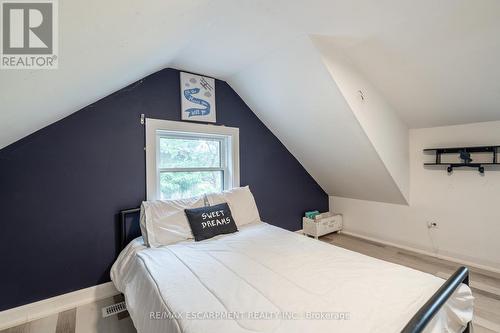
[186, 159]
[190, 165]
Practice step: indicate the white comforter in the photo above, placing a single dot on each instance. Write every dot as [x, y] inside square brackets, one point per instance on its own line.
[266, 279]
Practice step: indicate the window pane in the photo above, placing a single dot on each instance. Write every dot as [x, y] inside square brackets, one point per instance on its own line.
[189, 153]
[177, 185]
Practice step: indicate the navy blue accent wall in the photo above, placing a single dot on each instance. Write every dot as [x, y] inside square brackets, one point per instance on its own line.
[61, 187]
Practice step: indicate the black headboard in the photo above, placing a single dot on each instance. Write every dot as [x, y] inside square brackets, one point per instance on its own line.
[129, 225]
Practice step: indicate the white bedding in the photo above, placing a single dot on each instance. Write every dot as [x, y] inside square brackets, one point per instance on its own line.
[251, 277]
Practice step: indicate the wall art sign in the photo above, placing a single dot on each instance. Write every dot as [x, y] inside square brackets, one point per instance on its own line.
[198, 98]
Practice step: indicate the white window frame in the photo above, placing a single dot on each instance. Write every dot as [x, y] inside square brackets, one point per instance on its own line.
[228, 136]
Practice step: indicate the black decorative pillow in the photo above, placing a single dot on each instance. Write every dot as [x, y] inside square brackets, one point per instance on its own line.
[210, 221]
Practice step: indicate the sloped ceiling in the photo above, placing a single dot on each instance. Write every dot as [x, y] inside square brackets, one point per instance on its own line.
[437, 67]
[306, 110]
[433, 61]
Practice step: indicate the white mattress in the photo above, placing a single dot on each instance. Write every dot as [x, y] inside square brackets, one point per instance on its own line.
[266, 279]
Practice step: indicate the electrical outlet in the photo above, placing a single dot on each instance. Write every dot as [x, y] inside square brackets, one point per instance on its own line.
[432, 225]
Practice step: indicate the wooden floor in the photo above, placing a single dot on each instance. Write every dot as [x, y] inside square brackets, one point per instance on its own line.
[485, 287]
[84, 319]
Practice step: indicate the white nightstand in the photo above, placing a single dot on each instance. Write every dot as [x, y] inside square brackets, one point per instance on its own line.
[325, 224]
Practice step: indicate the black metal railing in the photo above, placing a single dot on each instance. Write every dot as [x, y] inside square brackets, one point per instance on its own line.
[420, 320]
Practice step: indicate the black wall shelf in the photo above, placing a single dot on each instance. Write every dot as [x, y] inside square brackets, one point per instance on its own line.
[465, 155]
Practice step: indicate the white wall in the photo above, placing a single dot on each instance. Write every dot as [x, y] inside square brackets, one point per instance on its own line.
[387, 132]
[465, 204]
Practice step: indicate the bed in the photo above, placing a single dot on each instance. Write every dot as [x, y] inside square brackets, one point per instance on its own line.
[266, 279]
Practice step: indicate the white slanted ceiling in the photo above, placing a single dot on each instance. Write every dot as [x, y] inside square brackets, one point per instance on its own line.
[381, 123]
[422, 63]
[305, 109]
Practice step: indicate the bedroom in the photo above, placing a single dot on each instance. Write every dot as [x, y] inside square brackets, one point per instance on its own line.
[135, 119]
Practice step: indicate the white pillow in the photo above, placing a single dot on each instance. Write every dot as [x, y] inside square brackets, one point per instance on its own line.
[164, 222]
[240, 201]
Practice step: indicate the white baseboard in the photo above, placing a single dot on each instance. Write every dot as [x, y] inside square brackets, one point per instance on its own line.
[428, 253]
[47, 307]
[301, 231]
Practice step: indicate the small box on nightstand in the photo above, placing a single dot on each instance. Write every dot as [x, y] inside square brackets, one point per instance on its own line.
[323, 224]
